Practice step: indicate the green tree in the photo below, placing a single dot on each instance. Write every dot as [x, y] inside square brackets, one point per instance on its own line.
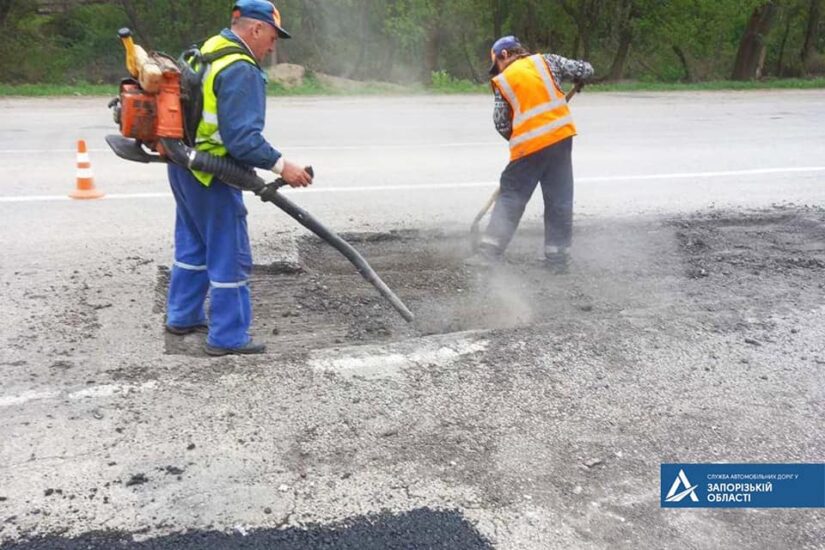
[410, 40]
[813, 27]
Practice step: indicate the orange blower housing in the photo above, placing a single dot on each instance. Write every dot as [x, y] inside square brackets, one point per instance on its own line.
[148, 117]
[138, 112]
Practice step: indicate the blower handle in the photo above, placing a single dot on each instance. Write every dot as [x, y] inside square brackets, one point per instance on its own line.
[125, 35]
[280, 182]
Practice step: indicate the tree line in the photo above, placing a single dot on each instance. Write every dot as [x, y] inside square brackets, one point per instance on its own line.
[406, 41]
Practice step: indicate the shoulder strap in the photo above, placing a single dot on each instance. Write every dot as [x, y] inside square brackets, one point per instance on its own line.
[223, 52]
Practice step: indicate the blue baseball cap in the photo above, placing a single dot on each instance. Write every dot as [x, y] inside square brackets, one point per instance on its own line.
[503, 43]
[262, 11]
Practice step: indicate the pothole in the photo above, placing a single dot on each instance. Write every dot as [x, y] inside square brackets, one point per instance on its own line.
[312, 298]
[323, 302]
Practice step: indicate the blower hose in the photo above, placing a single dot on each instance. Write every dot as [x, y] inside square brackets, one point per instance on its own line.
[232, 173]
[224, 168]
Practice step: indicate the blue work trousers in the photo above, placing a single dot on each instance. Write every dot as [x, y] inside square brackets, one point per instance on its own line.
[553, 168]
[212, 256]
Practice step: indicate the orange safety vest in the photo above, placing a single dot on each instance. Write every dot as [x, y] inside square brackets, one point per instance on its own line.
[541, 116]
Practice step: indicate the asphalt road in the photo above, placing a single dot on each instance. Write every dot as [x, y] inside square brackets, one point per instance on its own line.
[440, 157]
[539, 423]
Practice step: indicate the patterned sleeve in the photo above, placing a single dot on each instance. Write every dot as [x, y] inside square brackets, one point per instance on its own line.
[565, 70]
[502, 116]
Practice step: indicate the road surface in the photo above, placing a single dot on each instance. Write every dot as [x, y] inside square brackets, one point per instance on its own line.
[520, 411]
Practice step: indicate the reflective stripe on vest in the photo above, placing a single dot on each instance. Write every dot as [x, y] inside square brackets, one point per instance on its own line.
[540, 114]
[208, 136]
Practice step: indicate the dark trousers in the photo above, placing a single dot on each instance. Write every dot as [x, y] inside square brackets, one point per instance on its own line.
[553, 168]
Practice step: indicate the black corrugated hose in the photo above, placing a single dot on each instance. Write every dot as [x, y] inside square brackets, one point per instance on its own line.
[232, 173]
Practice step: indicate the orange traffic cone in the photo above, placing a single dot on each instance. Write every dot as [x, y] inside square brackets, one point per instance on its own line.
[85, 179]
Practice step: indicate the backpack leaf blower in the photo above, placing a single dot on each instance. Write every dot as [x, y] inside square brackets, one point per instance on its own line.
[157, 110]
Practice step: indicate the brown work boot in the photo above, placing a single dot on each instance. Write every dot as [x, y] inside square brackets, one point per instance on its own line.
[250, 348]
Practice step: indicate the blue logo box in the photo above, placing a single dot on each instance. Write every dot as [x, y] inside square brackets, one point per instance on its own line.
[742, 485]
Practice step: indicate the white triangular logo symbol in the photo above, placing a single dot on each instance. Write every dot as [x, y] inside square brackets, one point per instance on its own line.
[681, 479]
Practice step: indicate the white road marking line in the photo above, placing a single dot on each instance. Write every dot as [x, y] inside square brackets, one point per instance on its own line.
[48, 151]
[717, 174]
[460, 185]
[45, 151]
[53, 198]
[390, 360]
[25, 397]
[457, 144]
[392, 146]
[106, 390]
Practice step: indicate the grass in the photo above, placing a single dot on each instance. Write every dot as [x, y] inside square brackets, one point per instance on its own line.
[48, 90]
[442, 83]
[772, 84]
[445, 84]
[315, 85]
[310, 86]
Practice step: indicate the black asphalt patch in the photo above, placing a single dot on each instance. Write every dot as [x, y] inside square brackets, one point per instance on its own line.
[420, 528]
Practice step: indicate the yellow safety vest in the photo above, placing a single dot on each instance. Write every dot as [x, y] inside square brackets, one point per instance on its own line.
[208, 135]
[541, 116]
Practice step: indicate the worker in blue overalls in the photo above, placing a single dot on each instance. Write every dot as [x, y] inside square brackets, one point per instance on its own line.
[212, 254]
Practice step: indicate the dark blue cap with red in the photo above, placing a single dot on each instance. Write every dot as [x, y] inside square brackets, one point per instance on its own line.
[503, 43]
[262, 11]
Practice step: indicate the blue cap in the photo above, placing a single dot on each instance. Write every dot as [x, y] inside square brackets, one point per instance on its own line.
[262, 11]
[503, 43]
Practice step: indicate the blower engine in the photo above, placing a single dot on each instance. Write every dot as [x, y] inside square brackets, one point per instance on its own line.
[158, 110]
[148, 108]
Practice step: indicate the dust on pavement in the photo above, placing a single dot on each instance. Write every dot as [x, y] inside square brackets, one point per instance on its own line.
[541, 414]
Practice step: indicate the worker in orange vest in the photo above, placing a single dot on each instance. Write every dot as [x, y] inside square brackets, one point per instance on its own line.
[532, 113]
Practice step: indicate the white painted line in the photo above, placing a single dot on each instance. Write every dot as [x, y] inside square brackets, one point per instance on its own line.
[49, 151]
[460, 185]
[392, 146]
[362, 147]
[25, 397]
[408, 187]
[108, 390]
[57, 198]
[717, 174]
[93, 392]
[390, 360]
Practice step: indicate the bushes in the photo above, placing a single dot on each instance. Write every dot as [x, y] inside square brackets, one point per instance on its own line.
[443, 83]
[439, 43]
[77, 46]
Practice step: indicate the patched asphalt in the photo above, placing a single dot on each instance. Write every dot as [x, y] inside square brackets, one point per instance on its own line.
[417, 529]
